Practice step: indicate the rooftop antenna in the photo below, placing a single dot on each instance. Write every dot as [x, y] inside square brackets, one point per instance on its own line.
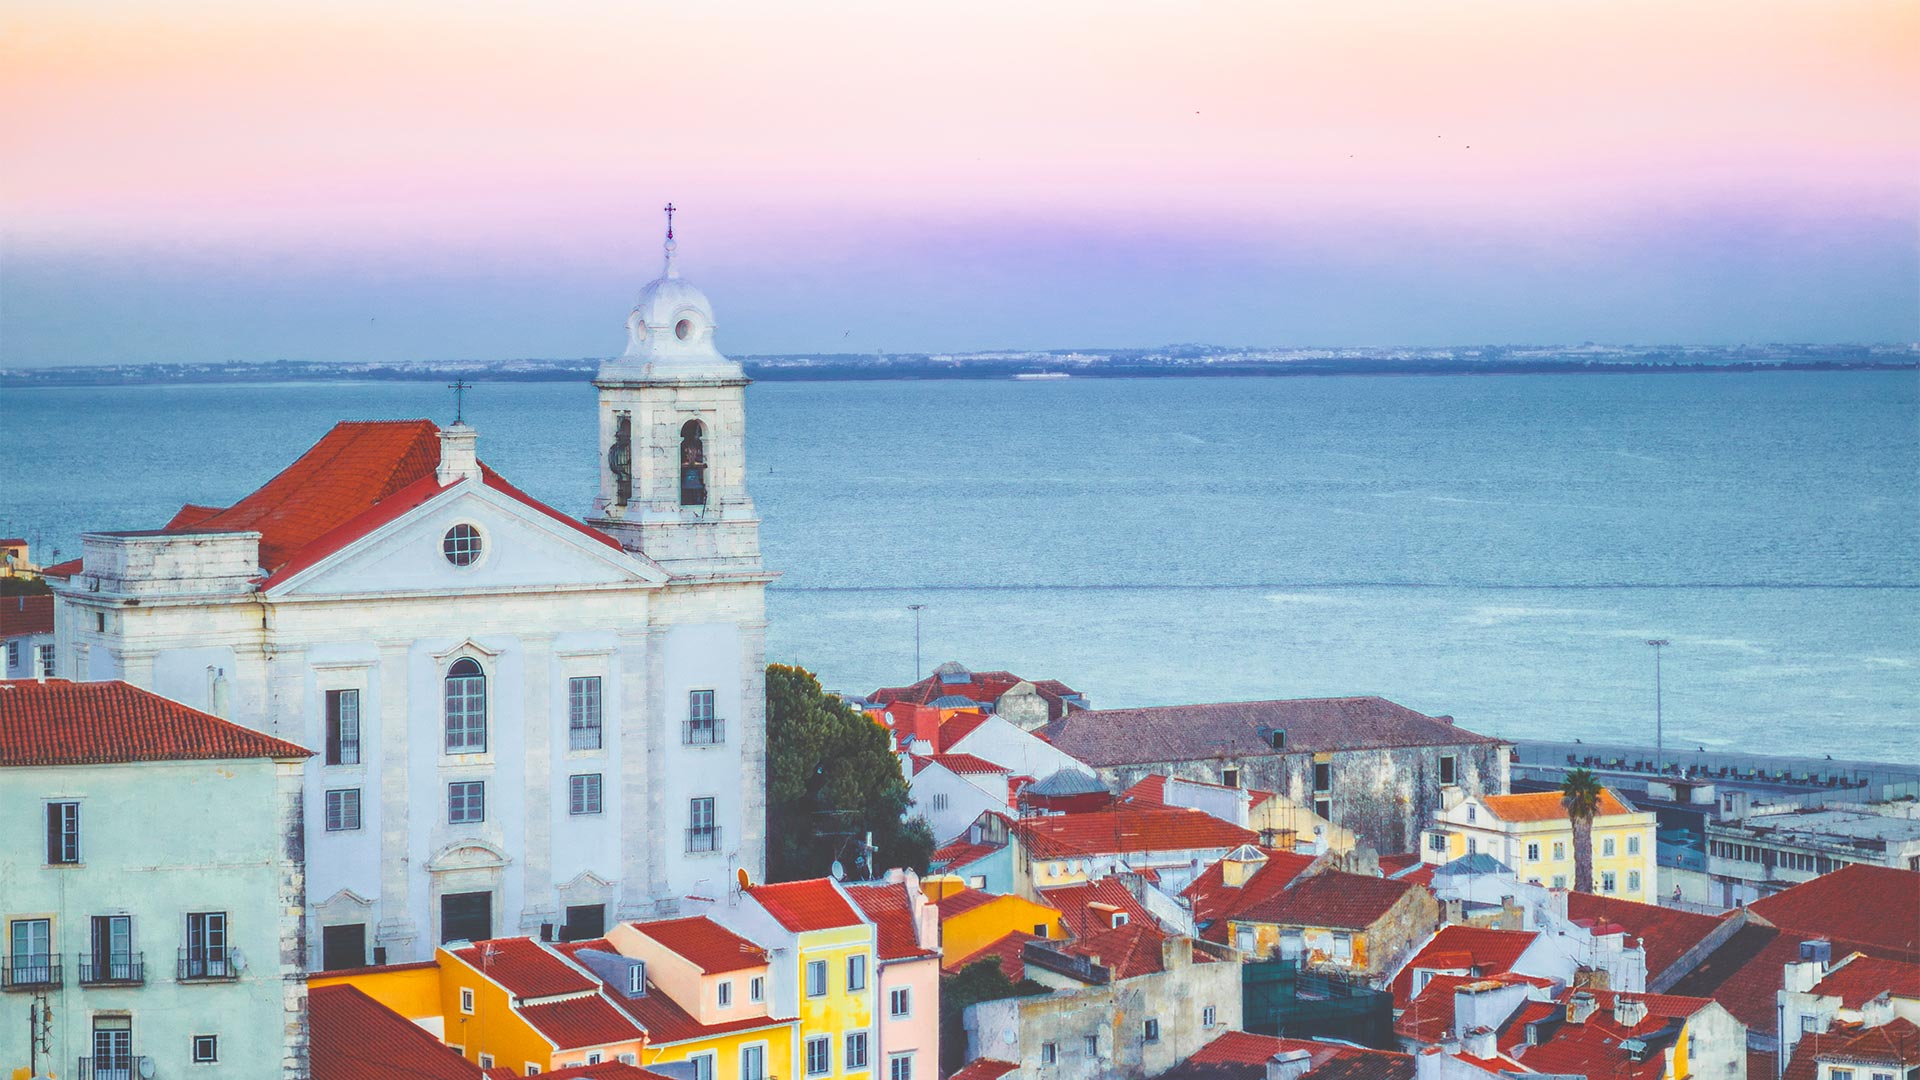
[459, 388]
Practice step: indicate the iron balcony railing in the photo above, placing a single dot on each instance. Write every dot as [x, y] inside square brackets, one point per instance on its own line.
[114, 1067]
[584, 738]
[207, 964]
[114, 968]
[34, 971]
[707, 839]
[703, 732]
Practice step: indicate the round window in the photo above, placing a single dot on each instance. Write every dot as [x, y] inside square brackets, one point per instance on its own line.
[461, 545]
[683, 329]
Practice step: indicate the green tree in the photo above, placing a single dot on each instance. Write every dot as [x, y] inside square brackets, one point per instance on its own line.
[832, 778]
[982, 980]
[1580, 796]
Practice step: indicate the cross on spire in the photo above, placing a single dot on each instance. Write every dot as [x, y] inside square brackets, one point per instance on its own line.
[459, 388]
[670, 209]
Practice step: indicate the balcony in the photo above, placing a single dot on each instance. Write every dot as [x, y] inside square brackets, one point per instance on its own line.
[702, 841]
[207, 965]
[34, 971]
[703, 732]
[117, 969]
[115, 1067]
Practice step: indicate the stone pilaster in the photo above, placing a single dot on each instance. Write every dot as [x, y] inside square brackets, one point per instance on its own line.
[667, 834]
[540, 903]
[639, 828]
[252, 701]
[293, 919]
[396, 929]
[753, 750]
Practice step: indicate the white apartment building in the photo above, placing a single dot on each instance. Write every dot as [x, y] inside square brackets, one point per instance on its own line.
[150, 889]
[527, 722]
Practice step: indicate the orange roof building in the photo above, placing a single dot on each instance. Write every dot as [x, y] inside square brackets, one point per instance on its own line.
[1531, 835]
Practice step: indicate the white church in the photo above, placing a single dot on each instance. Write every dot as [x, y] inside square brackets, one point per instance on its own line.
[523, 722]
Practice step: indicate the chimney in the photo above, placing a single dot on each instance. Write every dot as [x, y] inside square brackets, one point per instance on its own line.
[1800, 975]
[1177, 951]
[1452, 910]
[1479, 1043]
[1580, 1006]
[458, 460]
[1289, 1065]
[1428, 1064]
[1628, 1011]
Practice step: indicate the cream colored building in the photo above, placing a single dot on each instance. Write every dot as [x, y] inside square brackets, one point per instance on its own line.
[1531, 834]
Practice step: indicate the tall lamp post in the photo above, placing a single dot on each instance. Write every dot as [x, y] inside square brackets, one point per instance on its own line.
[915, 608]
[1659, 744]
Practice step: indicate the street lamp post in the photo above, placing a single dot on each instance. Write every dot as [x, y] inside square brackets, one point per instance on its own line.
[915, 608]
[1659, 743]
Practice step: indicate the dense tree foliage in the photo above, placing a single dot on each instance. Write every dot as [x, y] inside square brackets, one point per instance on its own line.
[832, 779]
[979, 981]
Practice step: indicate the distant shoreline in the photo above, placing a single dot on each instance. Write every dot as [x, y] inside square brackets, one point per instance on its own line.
[927, 371]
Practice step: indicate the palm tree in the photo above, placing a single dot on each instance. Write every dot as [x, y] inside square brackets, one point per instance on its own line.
[1580, 795]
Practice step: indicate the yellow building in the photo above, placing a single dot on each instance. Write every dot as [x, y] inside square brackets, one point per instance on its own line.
[825, 968]
[971, 919]
[1530, 833]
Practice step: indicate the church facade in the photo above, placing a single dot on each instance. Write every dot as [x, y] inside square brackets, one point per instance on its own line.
[523, 722]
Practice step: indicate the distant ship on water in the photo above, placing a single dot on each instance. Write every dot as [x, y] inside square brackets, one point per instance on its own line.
[1042, 375]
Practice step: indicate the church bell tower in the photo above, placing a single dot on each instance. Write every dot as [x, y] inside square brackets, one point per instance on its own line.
[673, 471]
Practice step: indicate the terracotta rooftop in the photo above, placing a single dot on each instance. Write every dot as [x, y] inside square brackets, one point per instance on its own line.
[1127, 951]
[1331, 898]
[709, 946]
[962, 764]
[1127, 829]
[959, 727]
[1214, 900]
[614, 1070]
[350, 1036]
[1895, 1043]
[984, 1069]
[1483, 951]
[1744, 973]
[581, 1022]
[1545, 806]
[1005, 950]
[1088, 908]
[57, 722]
[657, 1014]
[958, 853]
[1108, 737]
[1665, 933]
[524, 967]
[982, 686]
[800, 906]
[963, 901]
[1243, 1055]
[1873, 905]
[23, 614]
[891, 910]
[1860, 978]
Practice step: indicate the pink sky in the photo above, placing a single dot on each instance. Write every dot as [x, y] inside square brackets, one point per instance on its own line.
[425, 136]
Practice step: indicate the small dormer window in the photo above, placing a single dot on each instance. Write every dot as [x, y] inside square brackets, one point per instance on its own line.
[637, 979]
[461, 545]
[1279, 738]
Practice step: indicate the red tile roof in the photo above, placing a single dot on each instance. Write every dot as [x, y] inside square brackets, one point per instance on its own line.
[57, 722]
[1331, 898]
[23, 614]
[1744, 973]
[1076, 904]
[962, 764]
[1006, 951]
[658, 1015]
[1666, 933]
[1213, 898]
[960, 852]
[1192, 732]
[1127, 829]
[525, 967]
[1895, 1043]
[1545, 806]
[1874, 905]
[963, 901]
[1860, 978]
[709, 946]
[892, 913]
[959, 727]
[1485, 951]
[1128, 951]
[606, 1070]
[984, 1069]
[578, 1023]
[985, 687]
[1243, 1055]
[350, 1036]
[806, 905]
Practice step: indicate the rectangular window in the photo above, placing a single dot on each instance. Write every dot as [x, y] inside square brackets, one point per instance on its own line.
[1633, 881]
[753, 1063]
[32, 961]
[343, 727]
[939, 802]
[724, 995]
[532, 1069]
[819, 1056]
[1606, 846]
[1559, 881]
[1150, 1031]
[900, 1001]
[1607, 880]
[343, 810]
[856, 1050]
[702, 833]
[1206, 1016]
[702, 727]
[1633, 845]
[1533, 852]
[583, 793]
[1559, 851]
[486, 1060]
[703, 1065]
[466, 1000]
[816, 978]
[1437, 841]
[1448, 775]
[757, 989]
[1840, 1074]
[584, 922]
[1323, 776]
[900, 1067]
[637, 980]
[1343, 947]
[13, 655]
[1473, 845]
[63, 832]
[1323, 808]
[206, 951]
[112, 1048]
[466, 802]
[856, 972]
[112, 959]
[583, 713]
[46, 661]
[206, 1048]
[1049, 1053]
[1230, 777]
[1093, 1046]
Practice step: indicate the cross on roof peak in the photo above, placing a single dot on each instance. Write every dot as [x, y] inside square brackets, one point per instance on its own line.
[670, 209]
[459, 388]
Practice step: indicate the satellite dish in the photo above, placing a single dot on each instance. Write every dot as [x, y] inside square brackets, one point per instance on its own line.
[745, 879]
[146, 1068]
[237, 960]
[839, 872]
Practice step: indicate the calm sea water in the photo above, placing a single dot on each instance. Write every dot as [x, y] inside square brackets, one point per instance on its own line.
[1498, 549]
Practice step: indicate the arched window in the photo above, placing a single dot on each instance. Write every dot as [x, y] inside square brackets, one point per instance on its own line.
[466, 708]
[693, 464]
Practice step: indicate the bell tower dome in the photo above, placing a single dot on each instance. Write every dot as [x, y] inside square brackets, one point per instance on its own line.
[673, 435]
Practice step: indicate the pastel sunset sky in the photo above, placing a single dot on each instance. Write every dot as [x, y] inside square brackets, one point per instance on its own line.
[408, 181]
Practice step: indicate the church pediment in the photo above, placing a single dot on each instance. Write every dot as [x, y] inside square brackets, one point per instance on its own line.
[466, 855]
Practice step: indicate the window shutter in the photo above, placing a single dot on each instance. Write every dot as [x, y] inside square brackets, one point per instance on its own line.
[53, 832]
